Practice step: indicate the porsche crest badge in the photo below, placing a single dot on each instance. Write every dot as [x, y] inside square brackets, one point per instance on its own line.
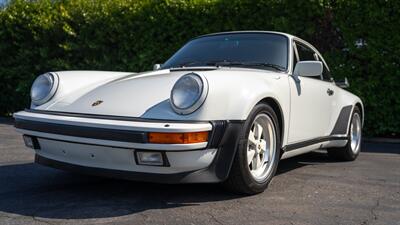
[96, 103]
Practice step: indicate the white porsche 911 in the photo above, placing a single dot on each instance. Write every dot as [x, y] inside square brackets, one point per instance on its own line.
[225, 108]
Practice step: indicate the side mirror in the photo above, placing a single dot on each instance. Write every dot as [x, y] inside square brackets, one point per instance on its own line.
[343, 84]
[157, 66]
[308, 69]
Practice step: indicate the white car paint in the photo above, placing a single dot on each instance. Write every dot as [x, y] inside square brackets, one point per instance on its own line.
[122, 158]
[309, 119]
[307, 111]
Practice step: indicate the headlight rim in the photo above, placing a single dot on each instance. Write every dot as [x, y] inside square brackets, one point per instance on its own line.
[198, 103]
[52, 92]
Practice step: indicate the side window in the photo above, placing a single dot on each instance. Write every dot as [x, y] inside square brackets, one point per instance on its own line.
[306, 54]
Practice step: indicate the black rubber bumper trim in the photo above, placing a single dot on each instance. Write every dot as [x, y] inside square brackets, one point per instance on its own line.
[215, 135]
[218, 171]
[109, 117]
[218, 129]
[82, 131]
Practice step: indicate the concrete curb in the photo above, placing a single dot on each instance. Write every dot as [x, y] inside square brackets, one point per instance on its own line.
[6, 120]
[383, 140]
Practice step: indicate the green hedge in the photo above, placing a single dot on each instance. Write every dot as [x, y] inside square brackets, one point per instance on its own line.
[49, 35]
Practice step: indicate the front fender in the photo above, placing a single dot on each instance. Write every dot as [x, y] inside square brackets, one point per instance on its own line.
[231, 96]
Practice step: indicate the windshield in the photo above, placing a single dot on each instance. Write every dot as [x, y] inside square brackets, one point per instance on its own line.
[261, 50]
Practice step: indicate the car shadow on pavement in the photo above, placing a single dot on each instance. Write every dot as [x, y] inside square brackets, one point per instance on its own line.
[320, 156]
[32, 190]
[311, 158]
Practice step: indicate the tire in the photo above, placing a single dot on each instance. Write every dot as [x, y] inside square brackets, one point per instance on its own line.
[353, 146]
[249, 176]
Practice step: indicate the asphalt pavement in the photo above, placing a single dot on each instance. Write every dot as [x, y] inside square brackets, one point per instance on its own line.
[308, 189]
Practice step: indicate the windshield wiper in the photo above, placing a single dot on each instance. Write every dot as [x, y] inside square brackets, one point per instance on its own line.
[271, 65]
[232, 63]
[224, 63]
[188, 63]
[247, 64]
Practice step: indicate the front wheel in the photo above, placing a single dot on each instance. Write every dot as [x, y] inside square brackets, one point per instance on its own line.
[257, 157]
[353, 146]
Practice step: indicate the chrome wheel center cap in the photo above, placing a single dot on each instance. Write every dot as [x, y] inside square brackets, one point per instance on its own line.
[258, 148]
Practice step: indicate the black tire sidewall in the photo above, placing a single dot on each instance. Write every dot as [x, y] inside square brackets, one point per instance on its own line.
[349, 152]
[254, 185]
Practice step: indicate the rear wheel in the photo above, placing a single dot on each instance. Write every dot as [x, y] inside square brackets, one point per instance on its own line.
[353, 146]
[256, 158]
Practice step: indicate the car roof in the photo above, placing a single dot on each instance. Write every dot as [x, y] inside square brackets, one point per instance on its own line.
[246, 32]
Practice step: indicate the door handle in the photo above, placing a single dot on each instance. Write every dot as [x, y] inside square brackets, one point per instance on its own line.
[330, 92]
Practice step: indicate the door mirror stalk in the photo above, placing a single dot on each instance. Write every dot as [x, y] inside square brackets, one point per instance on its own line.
[157, 66]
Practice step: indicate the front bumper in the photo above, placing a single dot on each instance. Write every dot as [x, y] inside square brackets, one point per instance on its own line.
[106, 146]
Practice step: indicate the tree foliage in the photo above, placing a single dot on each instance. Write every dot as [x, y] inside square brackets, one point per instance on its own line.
[359, 39]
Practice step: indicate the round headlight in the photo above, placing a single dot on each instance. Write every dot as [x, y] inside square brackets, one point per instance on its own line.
[188, 93]
[43, 88]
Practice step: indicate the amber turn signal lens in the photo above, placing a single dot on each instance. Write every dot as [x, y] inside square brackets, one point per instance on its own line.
[178, 138]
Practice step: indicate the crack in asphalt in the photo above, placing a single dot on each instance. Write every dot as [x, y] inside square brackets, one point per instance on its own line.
[372, 212]
[374, 208]
[215, 219]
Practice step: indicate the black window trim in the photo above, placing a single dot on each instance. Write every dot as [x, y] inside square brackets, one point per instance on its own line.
[295, 54]
[320, 58]
[316, 53]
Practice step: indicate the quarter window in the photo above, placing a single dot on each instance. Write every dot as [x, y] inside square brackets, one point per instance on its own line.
[305, 53]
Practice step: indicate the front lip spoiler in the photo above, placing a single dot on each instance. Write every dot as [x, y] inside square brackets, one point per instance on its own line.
[111, 173]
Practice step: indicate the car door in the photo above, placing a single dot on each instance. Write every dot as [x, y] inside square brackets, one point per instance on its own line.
[334, 92]
[310, 107]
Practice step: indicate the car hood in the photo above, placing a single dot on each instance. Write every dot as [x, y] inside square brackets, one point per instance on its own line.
[135, 95]
[128, 95]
